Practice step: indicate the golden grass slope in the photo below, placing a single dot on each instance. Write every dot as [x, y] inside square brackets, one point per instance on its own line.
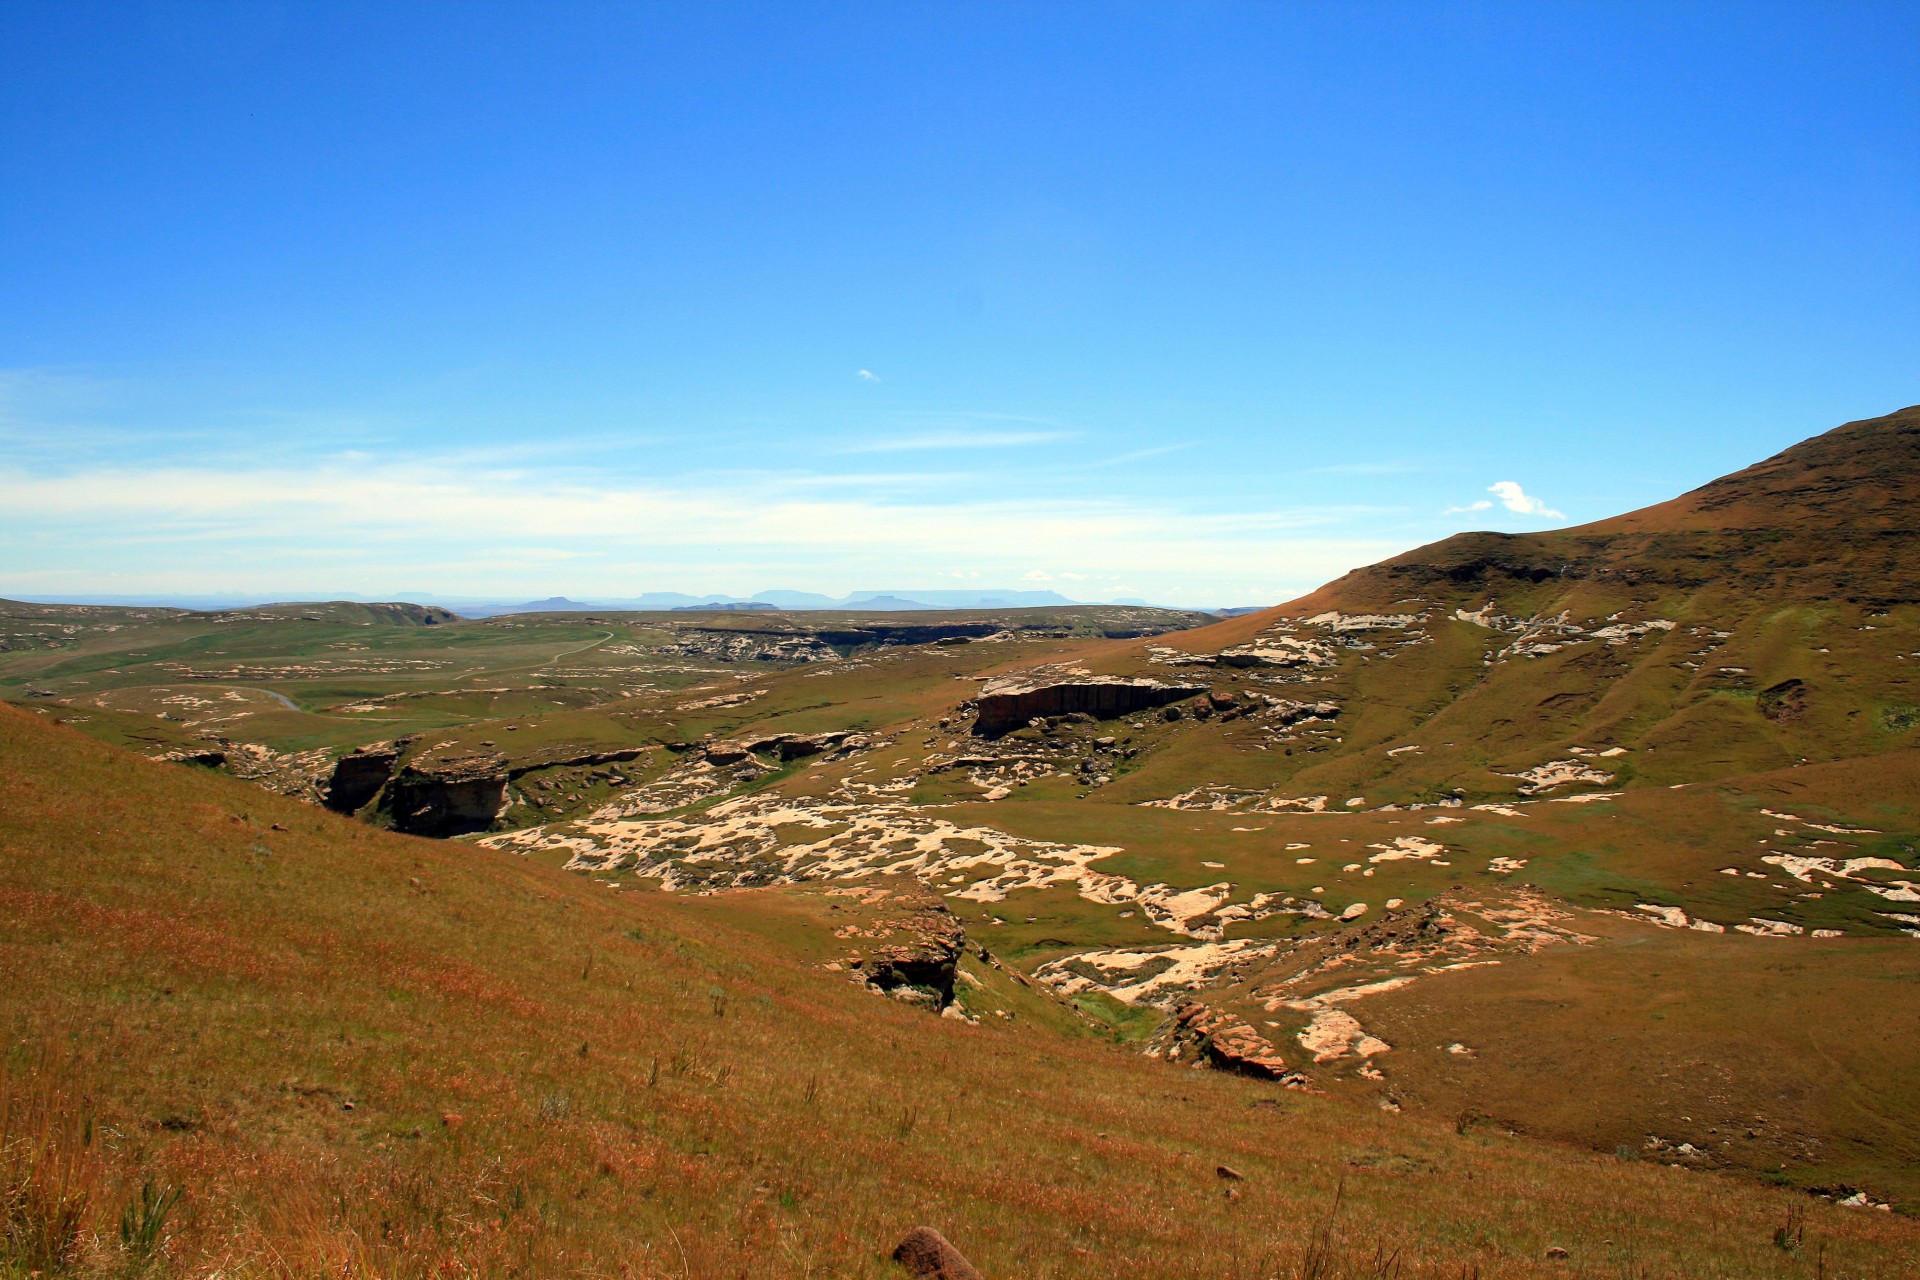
[362, 1054]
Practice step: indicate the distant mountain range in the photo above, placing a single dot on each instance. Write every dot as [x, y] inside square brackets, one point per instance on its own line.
[650, 601]
[774, 599]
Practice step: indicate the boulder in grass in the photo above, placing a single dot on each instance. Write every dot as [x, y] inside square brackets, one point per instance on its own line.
[925, 1253]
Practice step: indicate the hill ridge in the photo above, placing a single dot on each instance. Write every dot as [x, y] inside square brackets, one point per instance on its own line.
[1826, 518]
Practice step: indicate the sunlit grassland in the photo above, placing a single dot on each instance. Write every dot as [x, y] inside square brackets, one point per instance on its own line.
[359, 1053]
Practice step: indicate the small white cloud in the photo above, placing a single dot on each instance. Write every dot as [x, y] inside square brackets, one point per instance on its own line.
[1481, 505]
[866, 375]
[1036, 575]
[1516, 499]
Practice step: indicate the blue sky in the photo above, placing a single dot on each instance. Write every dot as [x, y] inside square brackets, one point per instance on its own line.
[1204, 303]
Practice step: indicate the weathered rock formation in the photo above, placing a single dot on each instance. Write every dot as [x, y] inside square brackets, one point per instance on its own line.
[788, 746]
[445, 804]
[359, 776]
[927, 1255]
[1004, 705]
[1223, 1041]
[911, 950]
[879, 634]
[462, 795]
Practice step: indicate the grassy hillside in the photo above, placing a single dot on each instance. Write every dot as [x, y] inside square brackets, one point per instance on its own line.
[1708, 779]
[359, 1053]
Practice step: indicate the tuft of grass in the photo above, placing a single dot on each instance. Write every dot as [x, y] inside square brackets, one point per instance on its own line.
[50, 1173]
[144, 1219]
[1791, 1232]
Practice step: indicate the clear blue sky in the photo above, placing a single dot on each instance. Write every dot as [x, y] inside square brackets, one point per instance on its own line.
[1199, 302]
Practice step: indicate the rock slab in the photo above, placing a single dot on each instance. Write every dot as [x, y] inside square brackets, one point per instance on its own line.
[927, 1254]
[1009, 703]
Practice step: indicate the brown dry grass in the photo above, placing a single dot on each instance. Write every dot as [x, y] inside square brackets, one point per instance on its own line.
[365, 1055]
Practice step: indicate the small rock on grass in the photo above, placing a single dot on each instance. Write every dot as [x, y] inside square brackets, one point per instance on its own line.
[927, 1254]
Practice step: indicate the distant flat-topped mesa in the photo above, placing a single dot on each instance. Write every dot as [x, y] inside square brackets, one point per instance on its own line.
[1831, 517]
[1008, 703]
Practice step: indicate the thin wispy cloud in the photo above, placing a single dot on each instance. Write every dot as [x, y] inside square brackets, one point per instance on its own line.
[866, 375]
[285, 530]
[1137, 455]
[1367, 469]
[957, 440]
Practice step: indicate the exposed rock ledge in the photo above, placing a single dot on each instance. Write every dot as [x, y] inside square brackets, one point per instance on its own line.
[1224, 1042]
[1005, 705]
[905, 943]
[465, 794]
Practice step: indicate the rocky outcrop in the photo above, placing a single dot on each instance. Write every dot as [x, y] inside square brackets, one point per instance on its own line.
[1224, 1042]
[445, 804]
[909, 949]
[883, 634]
[208, 757]
[1291, 713]
[359, 776]
[750, 646]
[1005, 705]
[461, 795]
[787, 746]
[927, 1255]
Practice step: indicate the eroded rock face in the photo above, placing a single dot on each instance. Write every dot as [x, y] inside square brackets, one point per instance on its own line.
[908, 948]
[1005, 705]
[359, 776]
[461, 795]
[426, 804]
[896, 633]
[788, 746]
[1223, 1041]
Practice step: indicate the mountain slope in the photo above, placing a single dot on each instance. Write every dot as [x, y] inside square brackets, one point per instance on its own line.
[1831, 517]
[1768, 618]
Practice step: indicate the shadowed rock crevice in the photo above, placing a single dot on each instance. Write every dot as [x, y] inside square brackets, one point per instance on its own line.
[428, 805]
[1005, 705]
[360, 775]
[909, 948]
